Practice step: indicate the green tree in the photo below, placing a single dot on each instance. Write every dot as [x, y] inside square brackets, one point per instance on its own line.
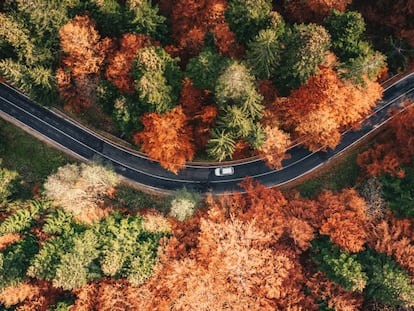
[263, 53]
[79, 265]
[247, 17]
[357, 57]
[6, 183]
[339, 266]
[236, 120]
[346, 29]
[387, 282]
[22, 219]
[221, 146]
[15, 260]
[305, 48]
[158, 79]
[399, 192]
[205, 68]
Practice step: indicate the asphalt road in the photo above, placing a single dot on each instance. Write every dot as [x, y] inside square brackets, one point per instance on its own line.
[140, 169]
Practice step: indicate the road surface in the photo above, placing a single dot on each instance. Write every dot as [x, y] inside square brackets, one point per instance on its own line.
[76, 139]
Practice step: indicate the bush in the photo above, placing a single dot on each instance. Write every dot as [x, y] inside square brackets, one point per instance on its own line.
[183, 204]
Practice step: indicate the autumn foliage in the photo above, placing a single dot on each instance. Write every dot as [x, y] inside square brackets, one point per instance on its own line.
[319, 109]
[85, 54]
[119, 68]
[171, 131]
[396, 150]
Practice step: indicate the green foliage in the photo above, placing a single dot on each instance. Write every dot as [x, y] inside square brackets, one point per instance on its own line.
[6, 183]
[241, 109]
[183, 204]
[22, 219]
[77, 266]
[387, 282]
[106, 94]
[221, 145]
[346, 29]
[146, 19]
[356, 55]
[339, 266]
[45, 263]
[305, 48]
[126, 114]
[37, 82]
[158, 79]
[59, 222]
[399, 192]
[14, 261]
[205, 68]
[263, 53]
[247, 17]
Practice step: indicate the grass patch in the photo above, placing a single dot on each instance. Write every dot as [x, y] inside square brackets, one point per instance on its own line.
[31, 158]
[340, 175]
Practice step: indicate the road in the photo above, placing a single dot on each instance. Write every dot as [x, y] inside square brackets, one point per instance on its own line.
[75, 138]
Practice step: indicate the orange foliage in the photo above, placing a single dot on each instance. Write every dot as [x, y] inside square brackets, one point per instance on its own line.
[13, 295]
[275, 146]
[119, 68]
[233, 267]
[85, 54]
[345, 220]
[314, 10]
[167, 138]
[8, 239]
[395, 151]
[41, 297]
[317, 110]
[337, 298]
[242, 150]
[200, 115]
[394, 237]
[190, 20]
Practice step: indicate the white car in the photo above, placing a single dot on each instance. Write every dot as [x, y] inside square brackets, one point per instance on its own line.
[224, 171]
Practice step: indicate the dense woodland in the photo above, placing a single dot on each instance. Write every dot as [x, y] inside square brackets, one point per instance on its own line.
[217, 80]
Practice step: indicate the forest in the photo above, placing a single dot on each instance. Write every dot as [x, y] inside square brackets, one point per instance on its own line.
[210, 80]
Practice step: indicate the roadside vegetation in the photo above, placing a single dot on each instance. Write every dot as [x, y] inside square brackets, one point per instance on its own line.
[217, 79]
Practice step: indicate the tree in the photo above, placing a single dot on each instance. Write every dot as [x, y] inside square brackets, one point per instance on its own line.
[6, 183]
[157, 79]
[275, 146]
[85, 55]
[247, 17]
[183, 204]
[205, 68]
[387, 282]
[339, 266]
[120, 64]
[390, 155]
[399, 194]
[221, 145]
[305, 49]
[318, 109]
[263, 53]
[314, 10]
[78, 189]
[167, 138]
[345, 219]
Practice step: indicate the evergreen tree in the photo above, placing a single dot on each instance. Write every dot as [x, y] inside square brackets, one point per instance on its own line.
[263, 53]
[14, 261]
[305, 48]
[221, 146]
[339, 266]
[204, 69]
[6, 183]
[387, 282]
[158, 79]
[22, 219]
[399, 193]
[247, 17]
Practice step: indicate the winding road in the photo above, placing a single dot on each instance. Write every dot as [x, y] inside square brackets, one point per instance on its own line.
[87, 145]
